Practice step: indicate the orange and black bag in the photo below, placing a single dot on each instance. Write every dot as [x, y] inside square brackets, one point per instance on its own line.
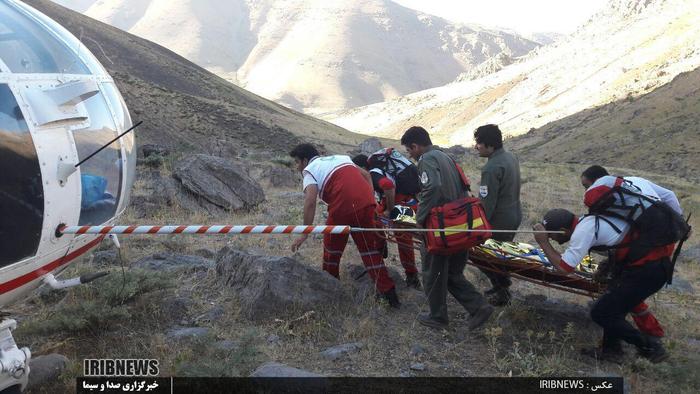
[466, 213]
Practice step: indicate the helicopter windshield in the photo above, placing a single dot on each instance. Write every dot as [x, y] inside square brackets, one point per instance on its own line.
[27, 48]
[101, 175]
[21, 191]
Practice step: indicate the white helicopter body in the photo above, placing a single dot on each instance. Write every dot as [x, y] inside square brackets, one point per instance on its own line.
[58, 105]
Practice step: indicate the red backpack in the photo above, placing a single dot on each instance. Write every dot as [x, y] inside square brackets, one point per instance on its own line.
[465, 213]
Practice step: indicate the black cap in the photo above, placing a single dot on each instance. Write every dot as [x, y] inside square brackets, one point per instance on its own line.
[557, 219]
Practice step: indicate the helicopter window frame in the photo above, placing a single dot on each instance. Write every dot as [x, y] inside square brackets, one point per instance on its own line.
[21, 190]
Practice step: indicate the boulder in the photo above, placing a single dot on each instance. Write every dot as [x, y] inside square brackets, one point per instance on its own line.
[45, 370]
[105, 258]
[172, 261]
[184, 333]
[282, 177]
[218, 184]
[370, 145]
[336, 352]
[277, 370]
[269, 286]
[157, 192]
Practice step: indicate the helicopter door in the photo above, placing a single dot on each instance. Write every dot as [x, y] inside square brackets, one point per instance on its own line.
[21, 191]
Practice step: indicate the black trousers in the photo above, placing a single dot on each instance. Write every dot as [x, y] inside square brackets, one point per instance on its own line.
[499, 281]
[634, 285]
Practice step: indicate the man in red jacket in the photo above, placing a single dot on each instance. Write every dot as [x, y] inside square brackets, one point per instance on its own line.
[348, 192]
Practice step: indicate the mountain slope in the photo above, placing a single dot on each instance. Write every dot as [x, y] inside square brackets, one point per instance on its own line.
[187, 108]
[659, 131]
[627, 50]
[312, 55]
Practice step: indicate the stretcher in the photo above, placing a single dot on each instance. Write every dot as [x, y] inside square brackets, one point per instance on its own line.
[520, 261]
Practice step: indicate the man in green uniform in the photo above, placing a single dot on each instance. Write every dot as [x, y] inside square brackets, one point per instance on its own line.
[499, 191]
[441, 183]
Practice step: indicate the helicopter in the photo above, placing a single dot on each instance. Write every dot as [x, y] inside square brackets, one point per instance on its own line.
[65, 159]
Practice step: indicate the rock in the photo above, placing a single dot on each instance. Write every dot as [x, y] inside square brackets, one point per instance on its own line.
[154, 149]
[364, 286]
[171, 262]
[417, 350]
[218, 184]
[206, 253]
[681, 285]
[690, 254]
[46, 369]
[336, 352]
[282, 177]
[213, 315]
[273, 338]
[157, 192]
[105, 258]
[226, 345]
[418, 367]
[181, 333]
[176, 307]
[268, 287]
[277, 370]
[370, 145]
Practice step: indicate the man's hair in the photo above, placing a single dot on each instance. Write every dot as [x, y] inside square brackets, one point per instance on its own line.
[360, 160]
[304, 151]
[594, 172]
[489, 135]
[416, 135]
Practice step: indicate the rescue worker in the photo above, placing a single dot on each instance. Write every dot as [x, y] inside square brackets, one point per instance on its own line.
[441, 183]
[348, 193]
[386, 188]
[499, 191]
[638, 280]
[641, 315]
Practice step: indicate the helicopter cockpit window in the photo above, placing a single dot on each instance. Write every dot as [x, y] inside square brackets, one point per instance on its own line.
[26, 47]
[100, 176]
[21, 191]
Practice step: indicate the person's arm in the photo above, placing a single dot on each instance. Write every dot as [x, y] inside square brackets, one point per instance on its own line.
[579, 245]
[310, 195]
[488, 189]
[431, 183]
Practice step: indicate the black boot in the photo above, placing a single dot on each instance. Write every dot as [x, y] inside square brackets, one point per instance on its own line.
[413, 281]
[391, 297]
[653, 351]
[501, 297]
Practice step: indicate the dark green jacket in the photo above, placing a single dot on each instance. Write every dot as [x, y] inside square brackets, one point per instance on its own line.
[440, 182]
[499, 190]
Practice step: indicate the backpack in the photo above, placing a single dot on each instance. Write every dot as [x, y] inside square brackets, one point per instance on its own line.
[654, 222]
[404, 172]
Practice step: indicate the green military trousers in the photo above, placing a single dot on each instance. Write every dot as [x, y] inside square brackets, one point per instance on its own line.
[442, 274]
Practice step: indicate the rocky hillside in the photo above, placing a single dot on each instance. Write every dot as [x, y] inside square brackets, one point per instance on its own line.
[312, 55]
[658, 131]
[628, 50]
[185, 108]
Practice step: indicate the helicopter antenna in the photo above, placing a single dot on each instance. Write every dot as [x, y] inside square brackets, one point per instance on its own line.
[108, 144]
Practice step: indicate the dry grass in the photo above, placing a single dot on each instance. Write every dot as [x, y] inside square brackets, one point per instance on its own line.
[539, 334]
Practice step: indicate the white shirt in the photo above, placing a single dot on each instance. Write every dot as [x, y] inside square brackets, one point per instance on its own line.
[584, 238]
[652, 189]
[320, 169]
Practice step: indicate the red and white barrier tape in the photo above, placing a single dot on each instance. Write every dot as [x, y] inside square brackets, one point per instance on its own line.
[216, 229]
[260, 229]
